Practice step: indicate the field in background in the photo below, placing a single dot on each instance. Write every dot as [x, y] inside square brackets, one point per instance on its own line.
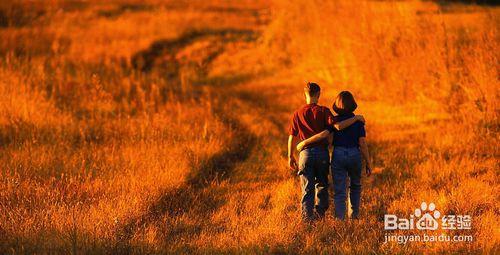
[160, 126]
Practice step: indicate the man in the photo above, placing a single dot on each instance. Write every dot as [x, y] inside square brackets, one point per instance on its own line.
[314, 159]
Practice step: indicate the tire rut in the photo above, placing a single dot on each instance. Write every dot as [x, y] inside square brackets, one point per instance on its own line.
[193, 197]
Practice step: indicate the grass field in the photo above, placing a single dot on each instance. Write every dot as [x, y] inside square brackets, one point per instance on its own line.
[160, 126]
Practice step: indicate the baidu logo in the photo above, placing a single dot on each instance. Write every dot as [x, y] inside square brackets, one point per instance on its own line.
[424, 218]
[427, 217]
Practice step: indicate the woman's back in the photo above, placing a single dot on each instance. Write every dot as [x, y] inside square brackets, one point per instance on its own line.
[348, 137]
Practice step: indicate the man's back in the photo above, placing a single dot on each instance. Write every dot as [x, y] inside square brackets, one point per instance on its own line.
[309, 120]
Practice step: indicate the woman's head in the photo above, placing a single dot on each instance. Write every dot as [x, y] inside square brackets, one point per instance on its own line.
[344, 103]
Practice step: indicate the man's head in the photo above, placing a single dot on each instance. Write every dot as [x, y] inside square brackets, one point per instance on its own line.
[312, 92]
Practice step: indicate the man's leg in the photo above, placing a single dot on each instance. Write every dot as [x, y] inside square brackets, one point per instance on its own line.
[307, 184]
[339, 174]
[322, 167]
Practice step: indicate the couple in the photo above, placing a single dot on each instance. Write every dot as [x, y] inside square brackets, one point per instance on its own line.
[316, 128]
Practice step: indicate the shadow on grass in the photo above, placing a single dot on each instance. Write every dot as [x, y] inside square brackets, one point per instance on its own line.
[132, 7]
[198, 196]
[162, 53]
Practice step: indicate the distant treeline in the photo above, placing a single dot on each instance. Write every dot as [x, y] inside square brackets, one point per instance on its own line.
[480, 2]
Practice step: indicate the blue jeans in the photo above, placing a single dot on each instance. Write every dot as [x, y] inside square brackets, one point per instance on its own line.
[313, 172]
[346, 162]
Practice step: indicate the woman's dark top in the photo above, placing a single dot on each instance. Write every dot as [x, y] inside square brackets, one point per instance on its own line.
[348, 137]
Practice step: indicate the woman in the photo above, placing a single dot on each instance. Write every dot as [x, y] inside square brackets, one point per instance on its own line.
[349, 147]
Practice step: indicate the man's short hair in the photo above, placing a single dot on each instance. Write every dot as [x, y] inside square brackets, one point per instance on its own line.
[312, 89]
[344, 103]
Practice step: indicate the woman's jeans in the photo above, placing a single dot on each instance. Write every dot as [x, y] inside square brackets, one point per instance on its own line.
[313, 172]
[346, 162]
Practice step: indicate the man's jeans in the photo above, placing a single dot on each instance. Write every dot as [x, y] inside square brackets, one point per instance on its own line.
[313, 172]
[346, 162]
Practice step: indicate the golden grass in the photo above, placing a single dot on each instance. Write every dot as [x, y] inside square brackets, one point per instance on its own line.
[98, 156]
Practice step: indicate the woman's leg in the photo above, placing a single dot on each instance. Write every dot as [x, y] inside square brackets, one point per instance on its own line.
[355, 185]
[339, 175]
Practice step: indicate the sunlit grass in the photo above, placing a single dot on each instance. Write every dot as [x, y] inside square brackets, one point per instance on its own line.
[97, 155]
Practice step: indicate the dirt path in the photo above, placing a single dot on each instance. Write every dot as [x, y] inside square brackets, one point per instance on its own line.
[251, 165]
[193, 198]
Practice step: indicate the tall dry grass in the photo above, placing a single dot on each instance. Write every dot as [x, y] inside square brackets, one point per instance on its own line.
[428, 82]
[100, 157]
[397, 51]
[87, 142]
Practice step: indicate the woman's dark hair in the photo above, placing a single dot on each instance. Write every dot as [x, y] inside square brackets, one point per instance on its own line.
[344, 103]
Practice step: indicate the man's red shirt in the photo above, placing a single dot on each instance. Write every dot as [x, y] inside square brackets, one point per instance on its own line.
[309, 120]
